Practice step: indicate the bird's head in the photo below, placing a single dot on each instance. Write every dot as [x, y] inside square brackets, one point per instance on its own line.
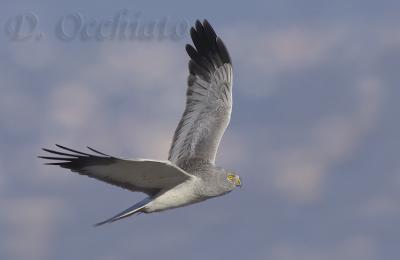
[222, 181]
[233, 179]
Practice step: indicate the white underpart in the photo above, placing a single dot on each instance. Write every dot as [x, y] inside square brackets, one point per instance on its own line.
[179, 196]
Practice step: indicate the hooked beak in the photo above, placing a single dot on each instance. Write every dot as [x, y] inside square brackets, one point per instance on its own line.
[238, 182]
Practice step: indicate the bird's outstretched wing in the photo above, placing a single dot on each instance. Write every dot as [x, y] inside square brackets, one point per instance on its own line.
[142, 175]
[209, 98]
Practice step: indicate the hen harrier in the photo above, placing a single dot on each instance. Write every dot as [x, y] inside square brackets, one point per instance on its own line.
[190, 175]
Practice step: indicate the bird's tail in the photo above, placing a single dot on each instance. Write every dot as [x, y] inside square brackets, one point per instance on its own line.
[126, 213]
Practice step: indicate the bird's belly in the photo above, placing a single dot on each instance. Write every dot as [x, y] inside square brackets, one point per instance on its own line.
[179, 196]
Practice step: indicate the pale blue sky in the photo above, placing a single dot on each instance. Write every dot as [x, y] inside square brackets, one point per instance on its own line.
[314, 132]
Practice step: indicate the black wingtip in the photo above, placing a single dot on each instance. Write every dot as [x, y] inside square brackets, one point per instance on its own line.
[223, 51]
[71, 150]
[60, 153]
[55, 158]
[209, 31]
[208, 51]
[93, 150]
[198, 24]
[191, 51]
[193, 32]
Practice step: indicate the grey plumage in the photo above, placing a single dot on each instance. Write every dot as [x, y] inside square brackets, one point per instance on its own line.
[190, 174]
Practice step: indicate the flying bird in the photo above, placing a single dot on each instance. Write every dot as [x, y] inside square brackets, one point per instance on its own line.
[190, 174]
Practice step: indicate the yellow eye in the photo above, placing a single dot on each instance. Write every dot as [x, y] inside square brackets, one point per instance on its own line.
[230, 177]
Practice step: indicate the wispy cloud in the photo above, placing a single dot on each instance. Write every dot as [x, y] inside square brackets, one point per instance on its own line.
[356, 247]
[31, 225]
[268, 54]
[300, 171]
